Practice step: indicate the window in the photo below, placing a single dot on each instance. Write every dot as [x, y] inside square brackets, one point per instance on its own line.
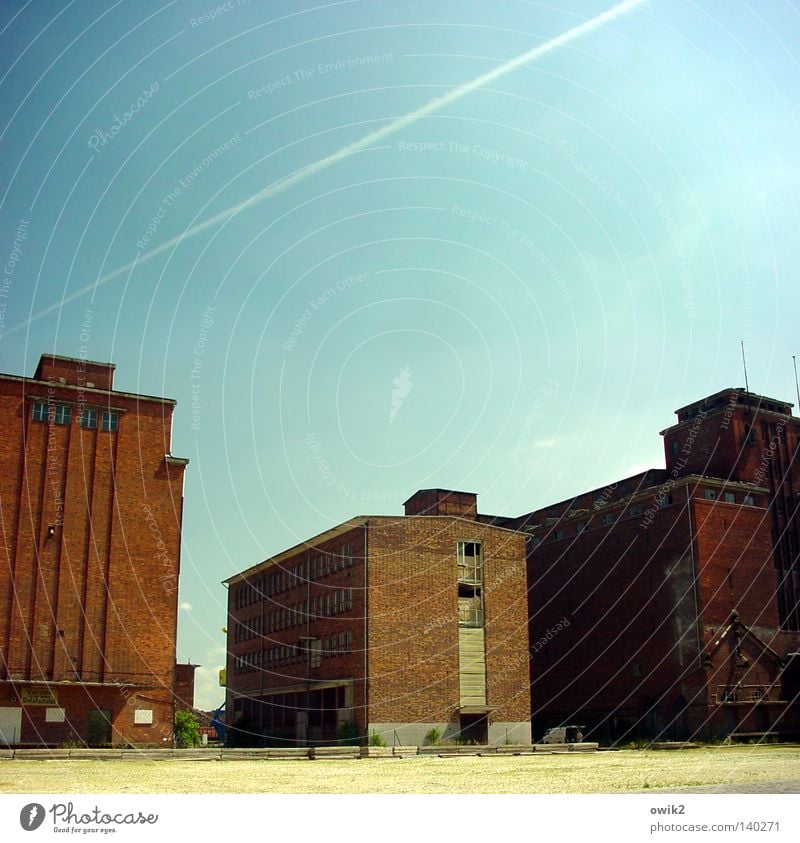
[748, 500]
[63, 414]
[40, 411]
[580, 526]
[709, 494]
[560, 534]
[637, 668]
[607, 519]
[730, 497]
[676, 447]
[110, 421]
[470, 562]
[666, 500]
[89, 419]
[635, 510]
[470, 583]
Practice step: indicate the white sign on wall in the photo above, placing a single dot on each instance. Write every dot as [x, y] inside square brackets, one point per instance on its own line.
[54, 715]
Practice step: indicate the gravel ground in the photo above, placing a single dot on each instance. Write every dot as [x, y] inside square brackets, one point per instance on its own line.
[746, 769]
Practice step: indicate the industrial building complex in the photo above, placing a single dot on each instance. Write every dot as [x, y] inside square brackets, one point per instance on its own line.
[663, 605]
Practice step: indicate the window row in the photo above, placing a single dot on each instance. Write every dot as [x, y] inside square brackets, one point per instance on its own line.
[727, 497]
[62, 414]
[285, 579]
[283, 655]
[661, 502]
[335, 602]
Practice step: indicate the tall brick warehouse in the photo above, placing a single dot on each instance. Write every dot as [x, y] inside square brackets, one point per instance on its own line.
[384, 625]
[91, 503]
[666, 604]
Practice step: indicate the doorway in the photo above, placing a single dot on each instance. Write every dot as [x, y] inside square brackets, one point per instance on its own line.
[99, 731]
[475, 728]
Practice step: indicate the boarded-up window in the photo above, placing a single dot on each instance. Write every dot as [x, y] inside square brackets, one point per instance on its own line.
[471, 667]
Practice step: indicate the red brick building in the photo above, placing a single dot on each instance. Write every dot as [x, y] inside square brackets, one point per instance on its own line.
[91, 503]
[666, 604]
[384, 625]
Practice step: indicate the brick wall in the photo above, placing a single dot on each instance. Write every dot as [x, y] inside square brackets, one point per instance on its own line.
[413, 619]
[331, 577]
[612, 615]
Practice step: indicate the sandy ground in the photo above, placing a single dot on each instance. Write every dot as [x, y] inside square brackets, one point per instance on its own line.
[606, 772]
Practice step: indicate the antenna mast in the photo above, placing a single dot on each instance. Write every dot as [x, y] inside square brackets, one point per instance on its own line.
[796, 387]
[744, 366]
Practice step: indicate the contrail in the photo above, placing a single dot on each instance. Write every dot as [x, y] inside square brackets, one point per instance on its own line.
[368, 140]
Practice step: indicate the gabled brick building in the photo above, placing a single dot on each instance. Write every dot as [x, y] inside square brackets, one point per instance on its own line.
[91, 502]
[666, 604]
[387, 625]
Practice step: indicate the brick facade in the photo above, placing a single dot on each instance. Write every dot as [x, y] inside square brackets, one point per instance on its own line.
[184, 686]
[91, 510]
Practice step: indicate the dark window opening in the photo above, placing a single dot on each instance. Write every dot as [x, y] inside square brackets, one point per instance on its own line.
[62, 414]
[110, 421]
[89, 419]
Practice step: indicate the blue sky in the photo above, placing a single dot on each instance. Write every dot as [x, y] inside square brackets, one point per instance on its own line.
[509, 296]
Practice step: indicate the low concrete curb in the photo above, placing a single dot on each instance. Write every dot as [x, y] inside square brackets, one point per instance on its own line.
[288, 753]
